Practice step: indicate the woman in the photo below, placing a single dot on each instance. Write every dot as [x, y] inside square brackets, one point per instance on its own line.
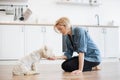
[77, 40]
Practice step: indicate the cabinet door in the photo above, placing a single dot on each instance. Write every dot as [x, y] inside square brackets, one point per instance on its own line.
[11, 42]
[97, 35]
[33, 38]
[112, 42]
[53, 40]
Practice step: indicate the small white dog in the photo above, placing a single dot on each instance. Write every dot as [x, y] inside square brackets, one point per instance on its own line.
[27, 65]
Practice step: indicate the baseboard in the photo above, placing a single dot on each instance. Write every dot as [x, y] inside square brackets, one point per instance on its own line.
[44, 61]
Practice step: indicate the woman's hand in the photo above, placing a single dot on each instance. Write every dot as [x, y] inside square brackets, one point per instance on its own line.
[57, 58]
[61, 57]
[52, 58]
[76, 72]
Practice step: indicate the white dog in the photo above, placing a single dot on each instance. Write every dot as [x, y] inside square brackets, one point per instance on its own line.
[27, 65]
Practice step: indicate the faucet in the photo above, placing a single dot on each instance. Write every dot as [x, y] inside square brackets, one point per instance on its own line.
[97, 17]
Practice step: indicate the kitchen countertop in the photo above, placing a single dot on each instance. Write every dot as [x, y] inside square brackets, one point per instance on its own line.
[48, 24]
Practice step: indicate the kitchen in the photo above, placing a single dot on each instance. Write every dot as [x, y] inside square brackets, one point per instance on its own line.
[100, 18]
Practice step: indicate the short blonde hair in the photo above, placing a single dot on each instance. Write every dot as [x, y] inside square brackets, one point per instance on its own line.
[63, 21]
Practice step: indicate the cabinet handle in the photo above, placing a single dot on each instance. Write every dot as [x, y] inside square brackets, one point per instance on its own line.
[104, 31]
[43, 29]
[23, 29]
[87, 29]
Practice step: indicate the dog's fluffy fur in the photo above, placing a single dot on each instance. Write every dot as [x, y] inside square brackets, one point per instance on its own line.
[27, 65]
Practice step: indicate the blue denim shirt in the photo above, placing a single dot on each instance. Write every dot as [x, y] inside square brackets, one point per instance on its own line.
[82, 42]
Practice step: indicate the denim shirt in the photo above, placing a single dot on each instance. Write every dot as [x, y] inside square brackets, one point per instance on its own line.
[82, 44]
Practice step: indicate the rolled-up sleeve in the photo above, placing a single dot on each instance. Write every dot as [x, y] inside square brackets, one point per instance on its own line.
[81, 41]
[69, 52]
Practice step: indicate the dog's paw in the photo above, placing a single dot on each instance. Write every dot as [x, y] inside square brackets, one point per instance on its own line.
[18, 74]
[32, 73]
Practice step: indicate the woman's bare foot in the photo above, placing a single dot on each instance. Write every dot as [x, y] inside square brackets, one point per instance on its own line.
[96, 68]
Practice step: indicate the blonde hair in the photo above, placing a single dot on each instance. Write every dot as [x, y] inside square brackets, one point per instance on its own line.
[63, 21]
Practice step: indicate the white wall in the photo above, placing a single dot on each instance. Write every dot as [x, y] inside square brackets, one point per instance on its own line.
[50, 11]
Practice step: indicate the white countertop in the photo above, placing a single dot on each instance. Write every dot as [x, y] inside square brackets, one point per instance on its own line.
[49, 24]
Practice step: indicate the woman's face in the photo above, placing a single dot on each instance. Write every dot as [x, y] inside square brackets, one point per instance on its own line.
[62, 29]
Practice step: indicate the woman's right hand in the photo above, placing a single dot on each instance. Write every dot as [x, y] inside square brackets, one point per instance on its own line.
[52, 58]
[61, 57]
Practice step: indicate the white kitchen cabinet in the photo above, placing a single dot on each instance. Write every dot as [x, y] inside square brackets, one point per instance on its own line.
[17, 41]
[112, 42]
[37, 36]
[107, 40]
[11, 42]
[53, 39]
[34, 38]
[97, 35]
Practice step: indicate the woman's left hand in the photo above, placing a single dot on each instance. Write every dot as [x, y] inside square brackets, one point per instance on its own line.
[76, 72]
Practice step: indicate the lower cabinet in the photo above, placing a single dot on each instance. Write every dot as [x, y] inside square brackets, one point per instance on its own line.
[98, 36]
[33, 36]
[17, 41]
[107, 40]
[38, 36]
[53, 40]
[11, 42]
[112, 42]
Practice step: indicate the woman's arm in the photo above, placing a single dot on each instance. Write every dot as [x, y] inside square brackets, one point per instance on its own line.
[81, 64]
[57, 57]
[81, 61]
[61, 57]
